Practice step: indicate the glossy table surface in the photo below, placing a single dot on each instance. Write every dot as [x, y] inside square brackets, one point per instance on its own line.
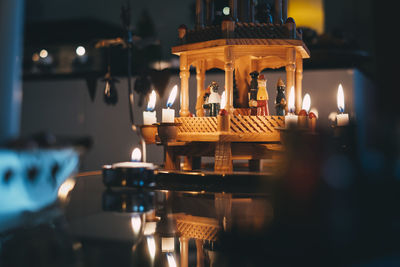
[234, 224]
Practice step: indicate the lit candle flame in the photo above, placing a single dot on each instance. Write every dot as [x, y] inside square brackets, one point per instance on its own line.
[172, 96]
[152, 101]
[291, 100]
[306, 102]
[151, 246]
[223, 100]
[136, 155]
[136, 224]
[340, 98]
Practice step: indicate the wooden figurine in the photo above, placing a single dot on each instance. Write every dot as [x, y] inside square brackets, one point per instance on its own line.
[214, 100]
[280, 101]
[205, 102]
[253, 93]
[262, 97]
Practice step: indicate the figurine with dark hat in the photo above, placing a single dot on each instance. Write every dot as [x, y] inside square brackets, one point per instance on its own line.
[280, 101]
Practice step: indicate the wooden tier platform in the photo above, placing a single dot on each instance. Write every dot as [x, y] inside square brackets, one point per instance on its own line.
[242, 137]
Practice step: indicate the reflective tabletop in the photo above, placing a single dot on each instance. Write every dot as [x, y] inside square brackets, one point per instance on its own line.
[262, 224]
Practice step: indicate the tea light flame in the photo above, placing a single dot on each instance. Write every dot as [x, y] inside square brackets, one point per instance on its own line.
[291, 100]
[340, 98]
[172, 96]
[306, 102]
[152, 101]
[136, 155]
[223, 100]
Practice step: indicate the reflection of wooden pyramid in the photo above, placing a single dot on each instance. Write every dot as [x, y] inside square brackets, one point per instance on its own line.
[195, 227]
[241, 45]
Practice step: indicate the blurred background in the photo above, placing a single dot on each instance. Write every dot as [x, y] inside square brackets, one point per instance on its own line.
[64, 74]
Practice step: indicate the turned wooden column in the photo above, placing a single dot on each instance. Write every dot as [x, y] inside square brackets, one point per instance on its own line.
[229, 66]
[290, 71]
[252, 11]
[233, 9]
[200, 254]
[184, 75]
[184, 245]
[209, 12]
[278, 12]
[284, 10]
[298, 86]
[199, 13]
[200, 77]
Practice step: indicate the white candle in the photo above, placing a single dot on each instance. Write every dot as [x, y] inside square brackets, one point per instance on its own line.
[149, 116]
[291, 119]
[343, 118]
[168, 115]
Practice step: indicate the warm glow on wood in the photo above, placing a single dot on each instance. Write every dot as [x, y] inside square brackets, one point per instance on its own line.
[308, 13]
[291, 100]
[223, 100]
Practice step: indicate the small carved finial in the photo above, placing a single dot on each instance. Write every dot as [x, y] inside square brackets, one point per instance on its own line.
[291, 26]
[182, 31]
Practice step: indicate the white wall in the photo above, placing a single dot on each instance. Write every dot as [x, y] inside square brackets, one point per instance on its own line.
[64, 107]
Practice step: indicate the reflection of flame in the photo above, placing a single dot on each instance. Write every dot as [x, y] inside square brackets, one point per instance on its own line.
[151, 246]
[136, 223]
[152, 101]
[291, 100]
[223, 100]
[340, 98]
[136, 155]
[172, 96]
[315, 111]
[65, 188]
[306, 102]
[171, 260]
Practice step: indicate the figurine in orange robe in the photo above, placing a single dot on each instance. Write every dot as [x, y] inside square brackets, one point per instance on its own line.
[262, 97]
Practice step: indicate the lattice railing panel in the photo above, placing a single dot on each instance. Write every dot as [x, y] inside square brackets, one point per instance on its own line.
[197, 231]
[197, 124]
[239, 124]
